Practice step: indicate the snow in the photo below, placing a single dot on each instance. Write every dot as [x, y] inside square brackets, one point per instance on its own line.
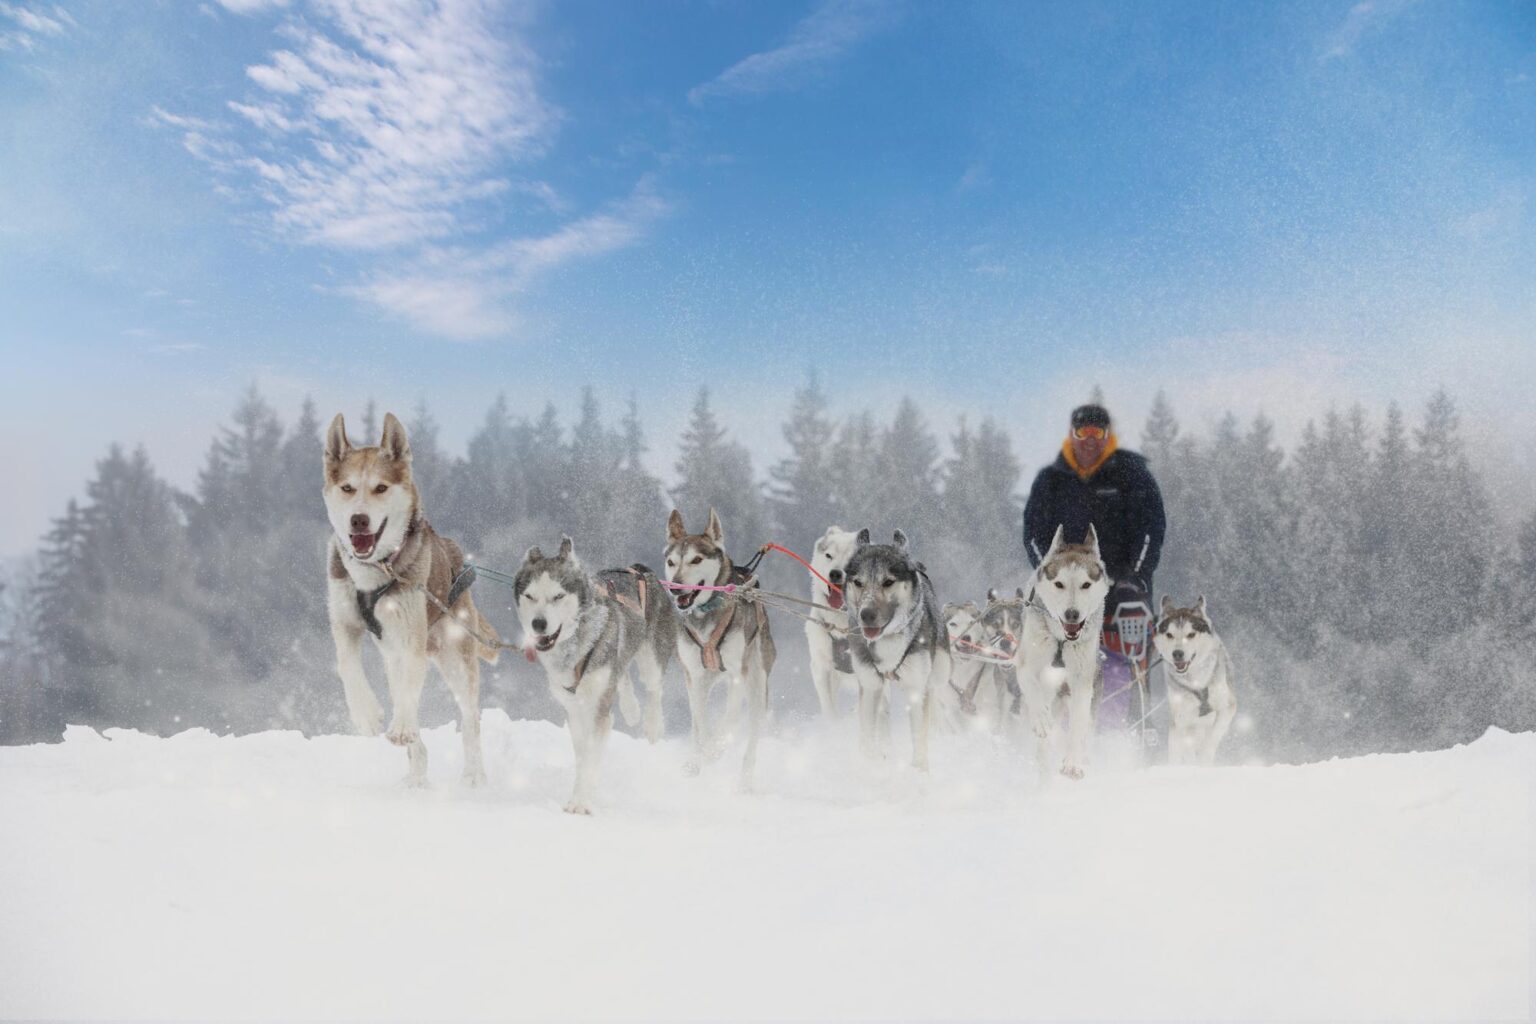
[275, 876]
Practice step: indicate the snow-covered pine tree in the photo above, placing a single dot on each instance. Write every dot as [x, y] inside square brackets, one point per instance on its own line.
[801, 492]
[908, 482]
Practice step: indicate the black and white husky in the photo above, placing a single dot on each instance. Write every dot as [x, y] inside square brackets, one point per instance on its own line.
[826, 633]
[1058, 655]
[585, 631]
[721, 636]
[1201, 702]
[898, 637]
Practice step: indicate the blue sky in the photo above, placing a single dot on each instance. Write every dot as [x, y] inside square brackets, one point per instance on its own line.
[989, 206]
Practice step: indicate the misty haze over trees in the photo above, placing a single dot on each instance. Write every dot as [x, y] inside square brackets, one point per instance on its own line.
[1369, 597]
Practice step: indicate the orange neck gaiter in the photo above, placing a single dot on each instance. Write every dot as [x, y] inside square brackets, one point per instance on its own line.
[1084, 472]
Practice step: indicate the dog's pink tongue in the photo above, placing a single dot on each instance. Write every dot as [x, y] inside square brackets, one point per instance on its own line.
[871, 633]
[362, 541]
[834, 600]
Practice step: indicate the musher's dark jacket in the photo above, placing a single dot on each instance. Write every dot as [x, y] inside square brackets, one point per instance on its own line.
[1120, 499]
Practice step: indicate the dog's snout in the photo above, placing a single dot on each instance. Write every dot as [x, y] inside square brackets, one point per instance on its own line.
[867, 616]
[540, 624]
[1178, 655]
[836, 576]
[1071, 615]
[360, 523]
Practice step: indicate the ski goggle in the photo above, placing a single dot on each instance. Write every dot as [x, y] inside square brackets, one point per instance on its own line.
[1084, 433]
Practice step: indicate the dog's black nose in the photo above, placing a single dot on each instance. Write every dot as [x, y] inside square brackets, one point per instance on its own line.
[1071, 615]
[867, 616]
[836, 576]
[539, 625]
[360, 523]
[1178, 655]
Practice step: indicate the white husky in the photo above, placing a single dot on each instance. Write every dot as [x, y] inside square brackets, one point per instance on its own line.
[1058, 656]
[1201, 703]
[827, 635]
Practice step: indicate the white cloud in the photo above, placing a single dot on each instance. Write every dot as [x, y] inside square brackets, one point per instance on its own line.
[386, 127]
[465, 294]
[821, 37]
[29, 23]
[1363, 18]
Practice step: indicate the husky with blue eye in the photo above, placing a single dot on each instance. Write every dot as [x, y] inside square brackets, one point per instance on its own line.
[898, 636]
[585, 631]
[1201, 703]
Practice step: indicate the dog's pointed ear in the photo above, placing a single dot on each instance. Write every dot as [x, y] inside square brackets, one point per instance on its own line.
[863, 537]
[336, 443]
[1092, 540]
[1166, 608]
[1056, 542]
[991, 593]
[567, 549]
[714, 531]
[393, 440]
[1200, 609]
[675, 528]
[900, 540]
[832, 531]
[534, 555]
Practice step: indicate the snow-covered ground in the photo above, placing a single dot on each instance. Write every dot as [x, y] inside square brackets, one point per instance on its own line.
[274, 876]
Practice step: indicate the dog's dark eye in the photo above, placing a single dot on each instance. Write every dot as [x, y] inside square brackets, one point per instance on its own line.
[887, 583]
[1060, 585]
[347, 488]
[381, 488]
[671, 563]
[696, 560]
[1085, 585]
[827, 556]
[558, 597]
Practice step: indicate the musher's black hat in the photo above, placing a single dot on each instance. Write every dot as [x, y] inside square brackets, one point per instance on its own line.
[1090, 416]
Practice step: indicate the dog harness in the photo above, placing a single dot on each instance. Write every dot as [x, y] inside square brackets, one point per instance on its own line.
[1204, 694]
[463, 577]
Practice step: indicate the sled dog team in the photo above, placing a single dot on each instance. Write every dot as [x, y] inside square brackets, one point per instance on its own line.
[876, 628]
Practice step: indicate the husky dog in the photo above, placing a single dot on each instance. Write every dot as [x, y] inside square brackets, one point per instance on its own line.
[997, 629]
[585, 631]
[1058, 656]
[831, 664]
[722, 635]
[898, 637]
[1201, 703]
[384, 560]
[954, 705]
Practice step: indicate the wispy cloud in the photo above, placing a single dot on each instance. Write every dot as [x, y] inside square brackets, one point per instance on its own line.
[390, 128]
[466, 294]
[23, 26]
[1363, 18]
[821, 37]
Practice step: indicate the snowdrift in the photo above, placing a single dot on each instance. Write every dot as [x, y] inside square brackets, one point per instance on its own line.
[275, 876]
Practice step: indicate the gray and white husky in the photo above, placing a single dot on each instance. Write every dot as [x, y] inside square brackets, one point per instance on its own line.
[1058, 656]
[585, 631]
[1201, 702]
[722, 636]
[954, 707]
[384, 559]
[897, 630]
[998, 699]
[826, 634]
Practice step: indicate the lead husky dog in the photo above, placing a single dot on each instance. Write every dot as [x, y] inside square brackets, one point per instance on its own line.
[723, 636]
[831, 664]
[1201, 702]
[585, 631]
[383, 555]
[898, 637]
[1058, 656]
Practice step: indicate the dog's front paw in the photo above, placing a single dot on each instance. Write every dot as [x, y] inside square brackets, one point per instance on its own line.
[1072, 771]
[401, 736]
[654, 727]
[577, 807]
